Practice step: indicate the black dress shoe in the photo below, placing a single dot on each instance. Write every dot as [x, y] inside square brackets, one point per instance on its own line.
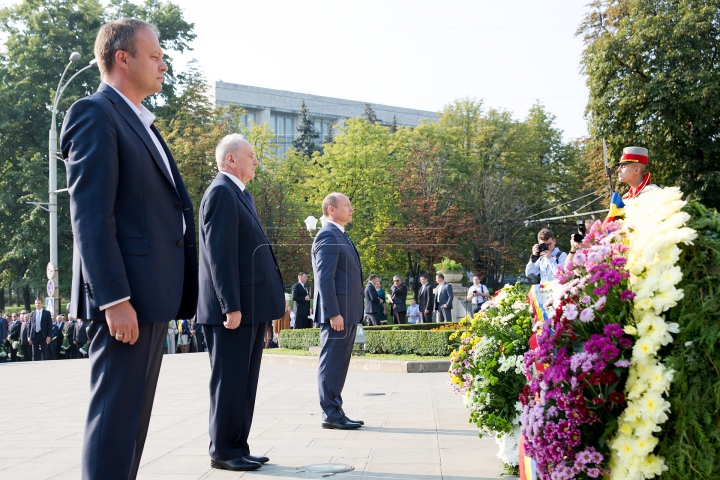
[253, 458]
[355, 421]
[236, 465]
[342, 424]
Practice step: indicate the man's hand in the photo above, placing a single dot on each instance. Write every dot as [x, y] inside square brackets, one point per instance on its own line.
[233, 320]
[536, 250]
[444, 306]
[30, 341]
[427, 311]
[547, 254]
[310, 311]
[47, 340]
[307, 298]
[381, 302]
[122, 322]
[337, 323]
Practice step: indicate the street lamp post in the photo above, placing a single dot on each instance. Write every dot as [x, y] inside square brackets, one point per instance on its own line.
[52, 180]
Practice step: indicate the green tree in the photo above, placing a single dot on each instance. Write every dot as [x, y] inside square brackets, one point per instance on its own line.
[39, 37]
[369, 114]
[305, 142]
[654, 80]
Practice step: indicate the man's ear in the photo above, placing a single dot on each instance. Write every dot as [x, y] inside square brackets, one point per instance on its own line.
[121, 59]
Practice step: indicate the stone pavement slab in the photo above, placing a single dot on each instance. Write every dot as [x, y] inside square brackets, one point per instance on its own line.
[415, 427]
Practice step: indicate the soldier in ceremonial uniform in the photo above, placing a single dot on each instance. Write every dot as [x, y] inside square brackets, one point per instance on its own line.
[632, 170]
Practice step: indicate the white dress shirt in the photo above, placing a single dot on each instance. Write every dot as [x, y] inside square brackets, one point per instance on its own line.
[236, 180]
[546, 268]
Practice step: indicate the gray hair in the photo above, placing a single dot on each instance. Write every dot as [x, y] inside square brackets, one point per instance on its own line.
[229, 144]
[115, 36]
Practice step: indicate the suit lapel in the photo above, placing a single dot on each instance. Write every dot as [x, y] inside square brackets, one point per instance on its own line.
[134, 121]
[243, 199]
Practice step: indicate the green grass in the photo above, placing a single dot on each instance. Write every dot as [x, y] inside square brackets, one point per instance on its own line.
[369, 356]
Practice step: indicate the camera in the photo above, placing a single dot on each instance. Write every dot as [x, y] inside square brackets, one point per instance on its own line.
[582, 231]
[542, 247]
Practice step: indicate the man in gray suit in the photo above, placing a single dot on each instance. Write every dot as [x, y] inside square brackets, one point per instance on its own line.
[443, 299]
[338, 306]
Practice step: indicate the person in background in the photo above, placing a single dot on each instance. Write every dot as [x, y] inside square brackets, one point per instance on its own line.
[56, 337]
[82, 339]
[382, 315]
[545, 257]
[69, 332]
[477, 294]
[443, 299]
[398, 296]
[426, 300]
[39, 332]
[3, 336]
[14, 336]
[24, 332]
[301, 297]
[198, 334]
[172, 331]
[413, 312]
[183, 335]
[373, 302]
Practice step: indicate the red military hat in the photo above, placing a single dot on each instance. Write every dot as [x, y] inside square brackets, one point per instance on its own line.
[634, 155]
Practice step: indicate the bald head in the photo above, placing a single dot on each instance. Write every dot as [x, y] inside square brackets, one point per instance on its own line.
[337, 208]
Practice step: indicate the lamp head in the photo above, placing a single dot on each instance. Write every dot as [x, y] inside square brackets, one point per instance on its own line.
[74, 56]
[311, 223]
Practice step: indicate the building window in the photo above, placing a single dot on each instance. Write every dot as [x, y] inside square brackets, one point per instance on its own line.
[284, 128]
[323, 127]
[248, 118]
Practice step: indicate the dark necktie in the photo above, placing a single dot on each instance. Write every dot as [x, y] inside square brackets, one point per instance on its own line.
[250, 199]
[353, 245]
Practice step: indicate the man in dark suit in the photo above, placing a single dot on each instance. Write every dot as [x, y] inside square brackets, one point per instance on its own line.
[81, 338]
[373, 303]
[199, 335]
[241, 290]
[14, 335]
[426, 301]
[443, 299]
[3, 337]
[70, 332]
[338, 306]
[25, 337]
[398, 295]
[301, 297]
[39, 331]
[134, 255]
[56, 337]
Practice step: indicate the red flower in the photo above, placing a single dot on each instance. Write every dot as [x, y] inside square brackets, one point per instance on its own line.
[616, 397]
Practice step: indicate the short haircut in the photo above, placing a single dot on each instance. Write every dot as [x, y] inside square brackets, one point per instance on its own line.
[546, 234]
[424, 275]
[115, 36]
[440, 275]
[397, 277]
[372, 277]
[301, 274]
[331, 200]
[228, 144]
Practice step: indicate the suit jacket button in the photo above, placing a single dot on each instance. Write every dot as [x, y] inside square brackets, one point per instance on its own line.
[178, 206]
[180, 243]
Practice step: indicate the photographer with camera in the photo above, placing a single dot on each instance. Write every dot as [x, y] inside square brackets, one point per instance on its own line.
[576, 239]
[545, 257]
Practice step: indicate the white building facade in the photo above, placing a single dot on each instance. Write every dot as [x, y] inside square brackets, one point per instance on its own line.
[281, 109]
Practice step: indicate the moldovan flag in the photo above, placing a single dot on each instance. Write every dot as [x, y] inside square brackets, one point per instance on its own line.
[617, 207]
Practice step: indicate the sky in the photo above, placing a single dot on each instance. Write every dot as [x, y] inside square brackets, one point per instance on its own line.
[419, 54]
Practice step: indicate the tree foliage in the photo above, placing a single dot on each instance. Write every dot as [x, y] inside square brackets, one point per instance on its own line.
[653, 71]
[305, 142]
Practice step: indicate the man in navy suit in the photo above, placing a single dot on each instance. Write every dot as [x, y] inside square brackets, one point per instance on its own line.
[426, 300]
[56, 337]
[241, 290]
[134, 256]
[39, 331]
[338, 306]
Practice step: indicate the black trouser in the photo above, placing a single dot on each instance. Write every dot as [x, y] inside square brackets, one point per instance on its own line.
[123, 379]
[53, 350]
[235, 357]
[302, 321]
[27, 351]
[445, 314]
[39, 348]
[426, 317]
[373, 319]
[399, 317]
[476, 308]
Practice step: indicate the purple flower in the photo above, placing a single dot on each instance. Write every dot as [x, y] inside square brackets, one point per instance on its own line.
[600, 303]
[587, 315]
[625, 342]
[586, 299]
[594, 257]
[579, 258]
[602, 290]
[622, 363]
[627, 295]
[571, 311]
[618, 261]
[613, 330]
[593, 472]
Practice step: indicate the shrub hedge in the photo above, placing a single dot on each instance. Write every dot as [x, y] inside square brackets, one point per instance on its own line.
[397, 342]
[408, 326]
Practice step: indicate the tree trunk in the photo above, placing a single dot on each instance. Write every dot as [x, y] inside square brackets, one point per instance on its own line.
[26, 297]
[2, 299]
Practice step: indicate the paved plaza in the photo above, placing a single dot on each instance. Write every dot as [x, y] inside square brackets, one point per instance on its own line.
[415, 427]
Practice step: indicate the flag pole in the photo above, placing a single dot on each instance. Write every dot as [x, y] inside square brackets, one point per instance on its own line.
[607, 167]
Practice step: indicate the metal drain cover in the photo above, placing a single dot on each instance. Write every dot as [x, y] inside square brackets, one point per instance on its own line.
[332, 468]
[373, 394]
